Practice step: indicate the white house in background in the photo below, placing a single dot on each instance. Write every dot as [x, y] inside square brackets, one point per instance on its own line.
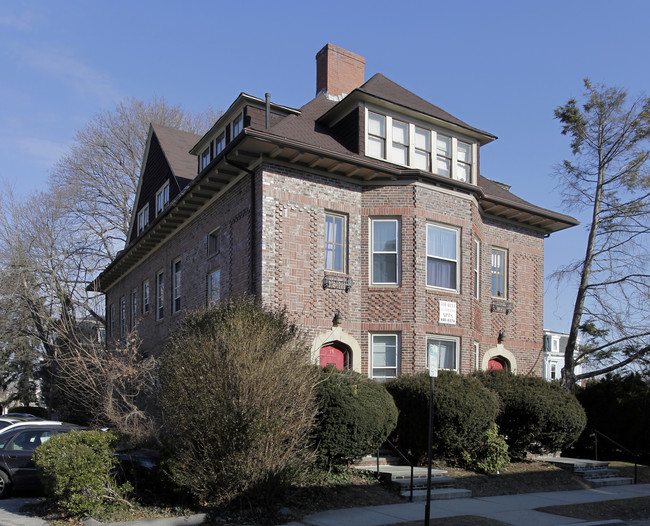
[554, 347]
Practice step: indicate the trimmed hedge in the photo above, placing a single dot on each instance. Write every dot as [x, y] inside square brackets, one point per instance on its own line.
[78, 470]
[463, 410]
[356, 415]
[619, 407]
[535, 416]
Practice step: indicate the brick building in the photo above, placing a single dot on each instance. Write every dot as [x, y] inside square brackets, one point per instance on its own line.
[363, 212]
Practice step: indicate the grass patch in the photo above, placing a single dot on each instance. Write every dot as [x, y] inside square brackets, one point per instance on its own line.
[623, 509]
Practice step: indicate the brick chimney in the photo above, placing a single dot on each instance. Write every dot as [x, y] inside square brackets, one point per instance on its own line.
[338, 71]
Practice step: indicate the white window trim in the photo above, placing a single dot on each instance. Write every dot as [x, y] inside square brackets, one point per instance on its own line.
[476, 264]
[143, 218]
[397, 222]
[388, 128]
[505, 272]
[397, 355]
[177, 282]
[214, 234]
[456, 341]
[210, 300]
[160, 295]
[164, 192]
[146, 295]
[457, 260]
[344, 241]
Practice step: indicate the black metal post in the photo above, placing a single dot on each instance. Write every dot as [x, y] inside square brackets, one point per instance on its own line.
[427, 508]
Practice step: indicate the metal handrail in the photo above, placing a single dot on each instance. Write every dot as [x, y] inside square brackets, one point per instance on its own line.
[394, 448]
[635, 455]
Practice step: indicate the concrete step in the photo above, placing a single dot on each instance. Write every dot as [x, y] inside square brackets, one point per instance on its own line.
[610, 481]
[597, 473]
[439, 494]
[384, 460]
[421, 483]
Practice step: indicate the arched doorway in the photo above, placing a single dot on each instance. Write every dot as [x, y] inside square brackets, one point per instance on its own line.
[338, 338]
[334, 355]
[498, 363]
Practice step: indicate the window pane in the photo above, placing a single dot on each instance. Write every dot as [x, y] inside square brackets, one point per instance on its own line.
[376, 124]
[446, 353]
[421, 160]
[375, 147]
[464, 151]
[443, 145]
[400, 132]
[384, 356]
[441, 242]
[441, 273]
[400, 154]
[384, 269]
[422, 139]
[462, 172]
[384, 236]
[443, 167]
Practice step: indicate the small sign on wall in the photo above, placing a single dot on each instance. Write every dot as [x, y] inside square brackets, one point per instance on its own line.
[447, 312]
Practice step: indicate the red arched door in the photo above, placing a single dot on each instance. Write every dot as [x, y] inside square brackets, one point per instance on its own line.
[330, 355]
[497, 364]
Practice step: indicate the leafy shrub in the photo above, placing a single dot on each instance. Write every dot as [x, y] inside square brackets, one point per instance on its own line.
[237, 402]
[491, 456]
[535, 416]
[619, 407]
[463, 411]
[78, 470]
[356, 415]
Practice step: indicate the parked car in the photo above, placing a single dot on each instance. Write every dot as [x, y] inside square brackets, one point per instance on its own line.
[22, 416]
[17, 444]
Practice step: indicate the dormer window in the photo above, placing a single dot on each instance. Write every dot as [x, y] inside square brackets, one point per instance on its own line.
[162, 197]
[405, 143]
[220, 143]
[143, 218]
[205, 158]
[237, 125]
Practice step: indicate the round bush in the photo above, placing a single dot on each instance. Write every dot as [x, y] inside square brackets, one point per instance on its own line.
[237, 402]
[535, 416]
[463, 411]
[78, 470]
[356, 415]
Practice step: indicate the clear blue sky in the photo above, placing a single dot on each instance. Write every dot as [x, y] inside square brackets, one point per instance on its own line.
[501, 66]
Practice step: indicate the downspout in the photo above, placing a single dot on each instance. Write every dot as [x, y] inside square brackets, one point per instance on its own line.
[252, 222]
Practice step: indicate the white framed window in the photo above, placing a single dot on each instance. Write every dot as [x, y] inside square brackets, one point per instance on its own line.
[214, 286]
[122, 317]
[143, 218]
[162, 197]
[477, 264]
[335, 242]
[384, 355]
[499, 272]
[396, 140]
[205, 158]
[447, 351]
[400, 143]
[555, 344]
[176, 285]
[237, 125]
[213, 242]
[220, 143]
[134, 308]
[442, 257]
[160, 295]
[553, 372]
[385, 251]
[376, 144]
[422, 149]
[145, 297]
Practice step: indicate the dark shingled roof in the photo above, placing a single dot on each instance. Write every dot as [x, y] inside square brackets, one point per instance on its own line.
[176, 145]
[384, 88]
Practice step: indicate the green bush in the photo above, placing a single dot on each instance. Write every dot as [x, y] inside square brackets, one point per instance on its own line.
[535, 416]
[237, 398]
[619, 407]
[356, 415]
[491, 456]
[77, 470]
[463, 411]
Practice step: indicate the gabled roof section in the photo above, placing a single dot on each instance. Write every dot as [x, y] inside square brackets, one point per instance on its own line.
[176, 145]
[388, 93]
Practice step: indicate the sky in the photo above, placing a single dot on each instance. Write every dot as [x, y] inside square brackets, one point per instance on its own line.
[500, 66]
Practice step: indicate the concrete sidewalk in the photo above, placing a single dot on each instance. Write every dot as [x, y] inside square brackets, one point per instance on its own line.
[511, 509]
